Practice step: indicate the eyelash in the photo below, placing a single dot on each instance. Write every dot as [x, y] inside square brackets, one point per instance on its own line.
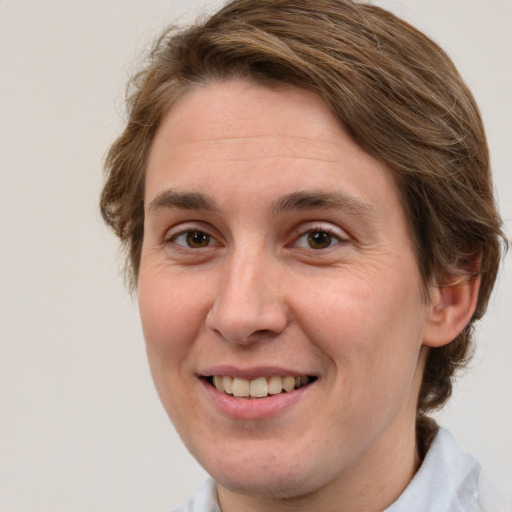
[331, 233]
[172, 239]
[207, 238]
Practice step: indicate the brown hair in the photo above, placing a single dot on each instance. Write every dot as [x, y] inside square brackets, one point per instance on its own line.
[393, 89]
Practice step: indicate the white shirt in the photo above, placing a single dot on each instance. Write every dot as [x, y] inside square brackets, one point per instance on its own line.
[448, 480]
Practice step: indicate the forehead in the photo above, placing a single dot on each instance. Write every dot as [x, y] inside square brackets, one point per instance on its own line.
[229, 135]
[239, 109]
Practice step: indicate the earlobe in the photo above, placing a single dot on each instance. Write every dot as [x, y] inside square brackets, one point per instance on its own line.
[451, 307]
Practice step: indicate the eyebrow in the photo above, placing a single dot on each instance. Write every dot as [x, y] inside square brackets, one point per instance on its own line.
[319, 200]
[182, 200]
[302, 200]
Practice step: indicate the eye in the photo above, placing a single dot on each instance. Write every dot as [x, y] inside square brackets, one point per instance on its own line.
[193, 239]
[317, 239]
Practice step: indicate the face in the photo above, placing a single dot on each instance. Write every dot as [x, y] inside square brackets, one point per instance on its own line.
[279, 293]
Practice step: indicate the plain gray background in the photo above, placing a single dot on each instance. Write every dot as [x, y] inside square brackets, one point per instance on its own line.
[81, 428]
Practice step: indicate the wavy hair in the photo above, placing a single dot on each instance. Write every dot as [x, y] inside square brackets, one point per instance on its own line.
[393, 90]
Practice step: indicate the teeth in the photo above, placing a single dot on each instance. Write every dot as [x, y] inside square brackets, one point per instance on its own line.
[227, 384]
[260, 387]
[275, 385]
[241, 387]
[218, 382]
[288, 384]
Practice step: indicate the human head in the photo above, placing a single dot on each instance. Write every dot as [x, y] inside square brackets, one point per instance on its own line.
[392, 89]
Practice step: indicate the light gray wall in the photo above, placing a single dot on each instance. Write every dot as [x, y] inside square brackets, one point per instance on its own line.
[81, 427]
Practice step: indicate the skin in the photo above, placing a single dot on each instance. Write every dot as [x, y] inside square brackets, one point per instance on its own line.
[255, 294]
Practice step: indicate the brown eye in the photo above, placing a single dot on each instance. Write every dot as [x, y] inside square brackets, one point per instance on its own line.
[192, 239]
[319, 239]
[197, 239]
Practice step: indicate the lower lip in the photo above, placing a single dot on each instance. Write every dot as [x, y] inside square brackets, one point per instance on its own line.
[253, 408]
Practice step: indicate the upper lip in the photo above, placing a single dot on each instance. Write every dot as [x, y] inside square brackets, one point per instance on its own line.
[253, 372]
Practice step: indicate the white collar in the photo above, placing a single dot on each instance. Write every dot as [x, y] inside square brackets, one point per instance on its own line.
[446, 481]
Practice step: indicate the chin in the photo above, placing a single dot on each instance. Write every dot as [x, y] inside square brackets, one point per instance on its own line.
[265, 473]
[255, 483]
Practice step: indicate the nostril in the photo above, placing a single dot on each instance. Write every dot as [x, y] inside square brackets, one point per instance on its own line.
[264, 332]
[262, 335]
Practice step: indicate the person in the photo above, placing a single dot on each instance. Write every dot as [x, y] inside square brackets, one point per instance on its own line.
[304, 194]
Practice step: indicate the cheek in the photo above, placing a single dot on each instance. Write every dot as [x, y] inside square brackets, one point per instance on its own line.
[171, 316]
[370, 329]
[171, 321]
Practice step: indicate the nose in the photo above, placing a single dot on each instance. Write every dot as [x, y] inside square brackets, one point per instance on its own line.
[249, 305]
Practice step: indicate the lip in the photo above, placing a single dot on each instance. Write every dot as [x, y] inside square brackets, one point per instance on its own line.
[252, 373]
[268, 407]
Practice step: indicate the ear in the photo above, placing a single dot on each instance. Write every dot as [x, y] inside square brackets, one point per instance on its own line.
[451, 307]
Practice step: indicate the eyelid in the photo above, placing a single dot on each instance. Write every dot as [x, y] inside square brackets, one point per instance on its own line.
[185, 227]
[176, 240]
[301, 230]
[306, 228]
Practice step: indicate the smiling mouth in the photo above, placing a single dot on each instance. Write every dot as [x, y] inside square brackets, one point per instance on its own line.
[261, 387]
